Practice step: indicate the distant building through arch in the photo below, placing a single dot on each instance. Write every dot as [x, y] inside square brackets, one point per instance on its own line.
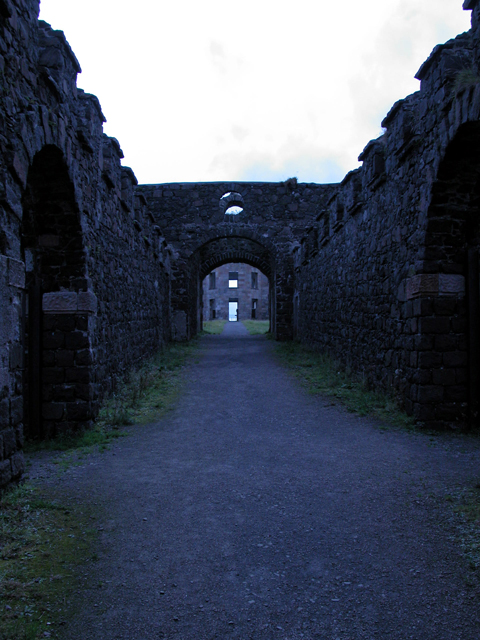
[251, 292]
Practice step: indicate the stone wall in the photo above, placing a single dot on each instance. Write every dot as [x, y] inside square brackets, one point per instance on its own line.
[194, 218]
[381, 277]
[84, 274]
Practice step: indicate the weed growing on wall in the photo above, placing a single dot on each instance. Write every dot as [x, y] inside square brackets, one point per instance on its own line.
[323, 375]
[42, 543]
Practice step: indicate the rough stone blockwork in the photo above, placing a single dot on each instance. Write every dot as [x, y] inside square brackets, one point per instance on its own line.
[194, 218]
[387, 278]
[96, 272]
[84, 275]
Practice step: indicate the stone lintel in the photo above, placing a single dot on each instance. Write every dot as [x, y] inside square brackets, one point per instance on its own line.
[435, 285]
[87, 302]
[69, 302]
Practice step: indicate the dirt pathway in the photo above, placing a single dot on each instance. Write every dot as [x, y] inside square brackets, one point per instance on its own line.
[255, 511]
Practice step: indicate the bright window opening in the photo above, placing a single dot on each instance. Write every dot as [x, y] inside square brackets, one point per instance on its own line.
[233, 280]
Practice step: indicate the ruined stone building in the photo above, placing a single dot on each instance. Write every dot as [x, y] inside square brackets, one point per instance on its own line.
[235, 291]
[97, 272]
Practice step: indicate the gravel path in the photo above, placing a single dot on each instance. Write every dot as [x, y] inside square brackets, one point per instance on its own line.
[256, 511]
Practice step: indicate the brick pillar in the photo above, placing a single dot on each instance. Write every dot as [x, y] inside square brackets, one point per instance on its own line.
[436, 311]
[69, 390]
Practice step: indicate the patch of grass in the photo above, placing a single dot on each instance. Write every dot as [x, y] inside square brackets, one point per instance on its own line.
[213, 326]
[464, 79]
[323, 375]
[41, 545]
[256, 327]
[143, 395]
[466, 504]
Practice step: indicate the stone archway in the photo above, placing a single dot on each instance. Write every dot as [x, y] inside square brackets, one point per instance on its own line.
[220, 249]
[218, 252]
[58, 391]
[446, 295]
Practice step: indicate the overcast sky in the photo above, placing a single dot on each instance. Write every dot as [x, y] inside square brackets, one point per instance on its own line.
[200, 90]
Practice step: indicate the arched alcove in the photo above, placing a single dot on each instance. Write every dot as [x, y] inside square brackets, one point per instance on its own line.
[446, 294]
[58, 378]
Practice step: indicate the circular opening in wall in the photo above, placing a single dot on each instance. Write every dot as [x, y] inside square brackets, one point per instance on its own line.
[231, 203]
[233, 211]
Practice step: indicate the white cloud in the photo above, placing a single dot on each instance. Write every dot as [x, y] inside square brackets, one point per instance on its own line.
[214, 90]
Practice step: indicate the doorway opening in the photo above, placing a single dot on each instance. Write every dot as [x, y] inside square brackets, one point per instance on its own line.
[233, 310]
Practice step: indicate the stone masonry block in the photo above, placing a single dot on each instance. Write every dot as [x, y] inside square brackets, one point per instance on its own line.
[77, 340]
[19, 432]
[429, 359]
[435, 284]
[457, 393]
[18, 464]
[445, 306]
[424, 343]
[5, 472]
[84, 357]
[434, 325]
[53, 339]
[16, 410]
[9, 443]
[65, 358]
[59, 302]
[429, 394]
[53, 375]
[446, 342]
[87, 302]
[423, 412]
[444, 377]
[4, 413]
[16, 273]
[78, 411]
[78, 374]
[455, 359]
[16, 356]
[65, 322]
[423, 307]
[53, 410]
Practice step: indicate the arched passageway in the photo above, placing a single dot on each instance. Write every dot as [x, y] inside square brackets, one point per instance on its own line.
[450, 314]
[57, 376]
[238, 249]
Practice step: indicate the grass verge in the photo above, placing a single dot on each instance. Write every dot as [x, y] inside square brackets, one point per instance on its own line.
[256, 327]
[321, 374]
[213, 327]
[142, 396]
[41, 545]
[466, 504]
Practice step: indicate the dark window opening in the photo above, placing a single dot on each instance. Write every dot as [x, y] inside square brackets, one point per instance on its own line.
[213, 311]
[254, 280]
[211, 278]
[254, 308]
